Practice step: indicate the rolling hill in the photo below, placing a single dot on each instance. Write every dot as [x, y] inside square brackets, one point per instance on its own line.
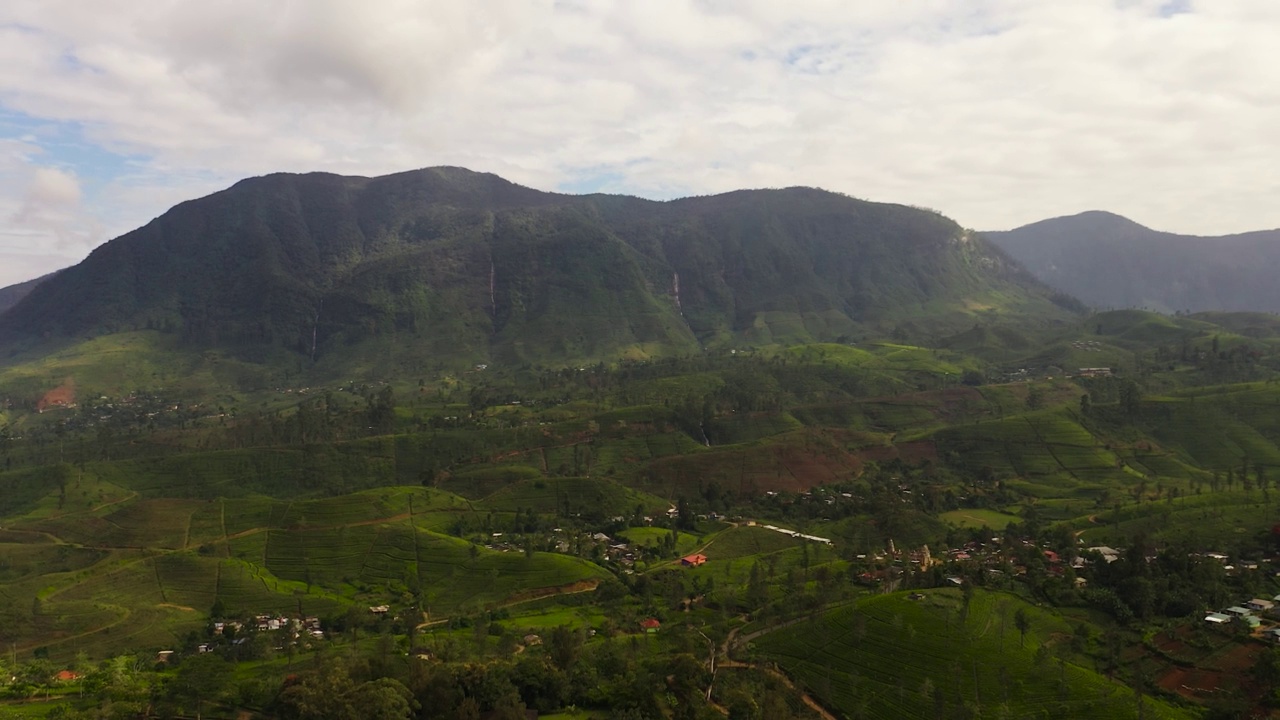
[460, 267]
[1111, 262]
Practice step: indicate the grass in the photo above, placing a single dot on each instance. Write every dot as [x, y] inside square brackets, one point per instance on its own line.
[553, 617]
[642, 536]
[976, 518]
[743, 542]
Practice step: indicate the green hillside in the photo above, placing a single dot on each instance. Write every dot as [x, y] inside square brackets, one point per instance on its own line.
[526, 520]
[448, 268]
[894, 657]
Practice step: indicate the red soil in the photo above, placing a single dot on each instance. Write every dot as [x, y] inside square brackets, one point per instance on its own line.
[62, 396]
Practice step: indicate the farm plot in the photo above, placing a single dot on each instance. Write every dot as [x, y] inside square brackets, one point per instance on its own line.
[19, 561]
[240, 515]
[137, 524]
[130, 585]
[392, 557]
[206, 524]
[329, 557]
[655, 536]
[748, 541]
[75, 493]
[976, 518]
[454, 577]
[188, 580]
[1208, 519]
[892, 657]
[623, 455]
[246, 588]
[572, 495]
[1213, 436]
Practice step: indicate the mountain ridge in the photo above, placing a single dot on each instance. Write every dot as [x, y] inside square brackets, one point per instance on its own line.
[10, 295]
[469, 266]
[1108, 260]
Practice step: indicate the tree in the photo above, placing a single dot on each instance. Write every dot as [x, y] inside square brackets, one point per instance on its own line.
[1035, 398]
[1023, 622]
[382, 699]
[757, 591]
[318, 695]
[1130, 398]
[200, 679]
[564, 644]
[382, 410]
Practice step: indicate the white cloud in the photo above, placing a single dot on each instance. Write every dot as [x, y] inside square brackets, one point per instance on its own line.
[51, 209]
[996, 112]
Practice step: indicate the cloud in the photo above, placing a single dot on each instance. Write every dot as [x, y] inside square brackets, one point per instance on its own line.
[996, 112]
[51, 211]
[51, 190]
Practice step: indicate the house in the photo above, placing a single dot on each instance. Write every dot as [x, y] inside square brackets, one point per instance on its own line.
[66, 676]
[693, 560]
[650, 625]
[1217, 619]
[1095, 372]
[530, 640]
[1239, 612]
[163, 656]
[1272, 634]
[1257, 605]
[1108, 554]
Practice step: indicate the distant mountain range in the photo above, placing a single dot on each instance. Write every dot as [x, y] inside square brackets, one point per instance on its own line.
[445, 263]
[1111, 262]
[9, 296]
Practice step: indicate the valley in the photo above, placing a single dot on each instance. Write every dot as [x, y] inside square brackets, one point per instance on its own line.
[523, 501]
[441, 445]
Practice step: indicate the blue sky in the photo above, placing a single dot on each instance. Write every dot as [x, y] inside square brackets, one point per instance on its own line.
[995, 112]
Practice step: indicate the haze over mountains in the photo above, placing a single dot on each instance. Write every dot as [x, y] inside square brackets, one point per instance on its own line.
[456, 264]
[9, 296]
[1108, 261]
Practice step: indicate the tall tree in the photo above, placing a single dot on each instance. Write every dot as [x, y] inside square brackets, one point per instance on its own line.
[1022, 621]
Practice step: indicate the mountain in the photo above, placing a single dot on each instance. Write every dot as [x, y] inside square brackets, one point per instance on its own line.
[9, 296]
[458, 266]
[1110, 261]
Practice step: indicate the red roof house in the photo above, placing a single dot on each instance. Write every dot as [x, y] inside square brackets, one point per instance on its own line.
[650, 624]
[66, 676]
[693, 560]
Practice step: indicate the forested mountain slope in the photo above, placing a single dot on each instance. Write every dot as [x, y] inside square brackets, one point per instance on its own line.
[448, 263]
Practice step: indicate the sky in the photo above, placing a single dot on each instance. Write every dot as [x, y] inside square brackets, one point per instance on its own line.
[994, 112]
